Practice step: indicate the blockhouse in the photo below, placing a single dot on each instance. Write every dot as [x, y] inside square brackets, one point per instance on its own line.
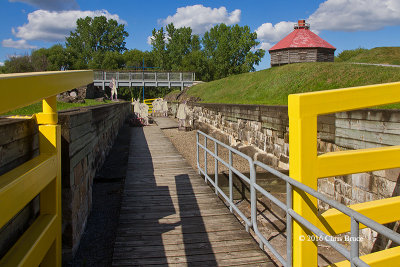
[301, 45]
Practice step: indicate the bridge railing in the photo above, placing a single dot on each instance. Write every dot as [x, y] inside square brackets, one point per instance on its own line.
[148, 76]
[40, 244]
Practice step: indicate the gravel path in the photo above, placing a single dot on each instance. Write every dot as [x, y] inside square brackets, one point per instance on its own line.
[185, 142]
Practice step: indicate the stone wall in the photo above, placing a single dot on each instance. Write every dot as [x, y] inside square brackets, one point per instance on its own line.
[87, 136]
[262, 133]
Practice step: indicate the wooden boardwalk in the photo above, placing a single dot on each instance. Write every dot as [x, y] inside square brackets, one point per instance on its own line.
[169, 216]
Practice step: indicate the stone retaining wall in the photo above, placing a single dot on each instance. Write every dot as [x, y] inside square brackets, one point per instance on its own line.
[262, 133]
[87, 136]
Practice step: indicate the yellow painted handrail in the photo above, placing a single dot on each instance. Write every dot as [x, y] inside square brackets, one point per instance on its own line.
[41, 243]
[22, 89]
[306, 166]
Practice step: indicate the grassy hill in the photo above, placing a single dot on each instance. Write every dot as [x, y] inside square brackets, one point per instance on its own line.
[380, 55]
[272, 86]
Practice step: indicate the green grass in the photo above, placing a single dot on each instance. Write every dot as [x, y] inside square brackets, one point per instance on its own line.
[272, 86]
[378, 55]
[37, 107]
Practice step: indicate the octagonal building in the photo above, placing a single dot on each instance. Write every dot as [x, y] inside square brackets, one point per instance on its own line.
[301, 45]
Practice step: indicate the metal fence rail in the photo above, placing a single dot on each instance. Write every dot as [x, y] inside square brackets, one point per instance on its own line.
[356, 217]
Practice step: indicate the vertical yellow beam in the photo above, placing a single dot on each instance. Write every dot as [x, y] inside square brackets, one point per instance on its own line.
[50, 197]
[303, 157]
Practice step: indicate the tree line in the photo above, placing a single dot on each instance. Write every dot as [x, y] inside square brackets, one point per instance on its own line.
[99, 43]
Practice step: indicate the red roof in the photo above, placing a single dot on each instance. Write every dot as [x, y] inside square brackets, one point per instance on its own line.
[301, 38]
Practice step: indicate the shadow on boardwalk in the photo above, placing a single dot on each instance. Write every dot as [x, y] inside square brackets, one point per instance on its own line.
[155, 226]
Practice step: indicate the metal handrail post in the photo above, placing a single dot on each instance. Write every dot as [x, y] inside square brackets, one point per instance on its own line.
[205, 159]
[216, 168]
[289, 239]
[253, 199]
[354, 245]
[197, 152]
[230, 182]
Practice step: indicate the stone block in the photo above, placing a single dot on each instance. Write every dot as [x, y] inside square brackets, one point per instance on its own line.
[392, 174]
[78, 174]
[387, 188]
[363, 181]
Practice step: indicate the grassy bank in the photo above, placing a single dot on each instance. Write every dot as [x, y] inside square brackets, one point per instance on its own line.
[37, 107]
[272, 86]
[378, 55]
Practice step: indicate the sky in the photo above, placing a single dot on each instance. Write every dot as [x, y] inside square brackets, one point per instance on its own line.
[346, 24]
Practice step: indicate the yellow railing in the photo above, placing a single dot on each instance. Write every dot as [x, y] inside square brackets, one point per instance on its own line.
[149, 103]
[307, 167]
[41, 243]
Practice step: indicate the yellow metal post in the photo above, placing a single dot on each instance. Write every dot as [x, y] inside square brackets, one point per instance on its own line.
[302, 157]
[50, 197]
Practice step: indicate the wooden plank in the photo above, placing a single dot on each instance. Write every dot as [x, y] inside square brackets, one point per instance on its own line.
[167, 218]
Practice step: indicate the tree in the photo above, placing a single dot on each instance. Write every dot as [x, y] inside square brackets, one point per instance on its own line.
[134, 59]
[181, 42]
[58, 59]
[231, 50]
[17, 64]
[197, 61]
[112, 61]
[96, 35]
[172, 45]
[159, 49]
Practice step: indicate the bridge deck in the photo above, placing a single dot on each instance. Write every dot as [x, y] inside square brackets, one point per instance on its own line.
[170, 216]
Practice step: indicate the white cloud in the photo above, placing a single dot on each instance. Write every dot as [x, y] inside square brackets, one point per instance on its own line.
[51, 4]
[355, 15]
[18, 44]
[274, 33]
[54, 26]
[265, 45]
[201, 18]
[149, 38]
[1, 64]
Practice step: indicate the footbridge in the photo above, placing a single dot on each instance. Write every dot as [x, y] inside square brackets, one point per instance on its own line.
[145, 78]
[172, 214]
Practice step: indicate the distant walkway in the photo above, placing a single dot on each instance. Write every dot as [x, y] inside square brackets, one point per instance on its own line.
[144, 78]
[381, 65]
[165, 122]
[170, 216]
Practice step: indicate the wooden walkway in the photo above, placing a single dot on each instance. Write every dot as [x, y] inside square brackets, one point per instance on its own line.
[169, 216]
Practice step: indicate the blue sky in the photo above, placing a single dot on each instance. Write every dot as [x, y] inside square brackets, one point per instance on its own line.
[346, 24]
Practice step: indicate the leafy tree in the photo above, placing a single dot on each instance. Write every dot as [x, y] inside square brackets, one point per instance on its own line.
[112, 61]
[197, 61]
[134, 59]
[159, 48]
[39, 60]
[19, 64]
[58, 59]
[172, 45]
[231, 50]
[181, 42]
[96, 35]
